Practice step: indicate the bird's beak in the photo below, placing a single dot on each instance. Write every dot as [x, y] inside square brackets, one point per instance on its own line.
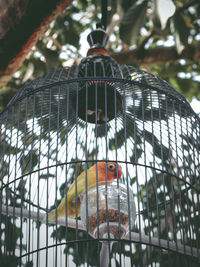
[118, 171]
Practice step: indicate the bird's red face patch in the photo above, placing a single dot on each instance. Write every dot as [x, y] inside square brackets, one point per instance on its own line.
[114, 171]
[111, 170]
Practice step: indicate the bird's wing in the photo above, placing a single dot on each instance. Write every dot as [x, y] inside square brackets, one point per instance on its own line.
[81, 182]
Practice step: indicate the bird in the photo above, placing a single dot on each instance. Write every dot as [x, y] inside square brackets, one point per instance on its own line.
[109, 170]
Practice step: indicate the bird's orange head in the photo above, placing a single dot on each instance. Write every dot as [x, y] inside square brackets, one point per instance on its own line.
[112, 169]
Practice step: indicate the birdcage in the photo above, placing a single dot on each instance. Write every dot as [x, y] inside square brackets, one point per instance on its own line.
[99, 166]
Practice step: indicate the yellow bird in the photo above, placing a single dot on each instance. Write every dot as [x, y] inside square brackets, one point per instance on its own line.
[113, 172]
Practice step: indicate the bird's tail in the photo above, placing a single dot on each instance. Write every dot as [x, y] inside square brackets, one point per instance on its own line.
[71, 212]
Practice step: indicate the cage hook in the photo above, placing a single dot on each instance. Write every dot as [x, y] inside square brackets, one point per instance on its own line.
[104, 4]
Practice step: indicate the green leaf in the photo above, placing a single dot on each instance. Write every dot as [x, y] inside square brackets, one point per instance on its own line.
[133, 21]
[163, 10]
[180, 31]
[29, 264]
[187, 87]
[159, 149]
[45, 176]
[137, 153]
[51, 56]
[21, 185]
[127, 3]
[120, 140]
[133, 180]
[29, 161]
[12, 233]
[29, 72]
[9, 260]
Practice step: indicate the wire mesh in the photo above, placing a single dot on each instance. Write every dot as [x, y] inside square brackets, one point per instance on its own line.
[59, 126]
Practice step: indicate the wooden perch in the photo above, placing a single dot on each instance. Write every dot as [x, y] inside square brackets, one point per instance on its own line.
[135, 237]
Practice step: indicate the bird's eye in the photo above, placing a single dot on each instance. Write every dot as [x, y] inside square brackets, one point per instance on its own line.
[111, 166]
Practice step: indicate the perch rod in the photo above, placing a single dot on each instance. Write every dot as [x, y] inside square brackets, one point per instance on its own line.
[136, 237]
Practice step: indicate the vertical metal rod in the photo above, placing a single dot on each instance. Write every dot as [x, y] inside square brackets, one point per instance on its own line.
[197, 143]
[186, 115]
[76, 173]
[162, 158]
[146, 258]
[40, 150]
[56, 174]
[31, 166]
[136, 172]
[154, 172]
[48, 158]
[161, 151]
[104, 4]
[2, 162]
[106, 141]
[195, 153]
[115, 134]
[119, 211]
[186, 227]
[15, 171]
[105, 253]
[2, 139]
[96, 144]
[65, 193]
[86, 157]
[9, 153]
[24, 148]
[172, 192]
[126, 159]
[180, 210]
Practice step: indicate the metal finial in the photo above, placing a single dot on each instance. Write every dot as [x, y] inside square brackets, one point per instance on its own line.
[97, 38]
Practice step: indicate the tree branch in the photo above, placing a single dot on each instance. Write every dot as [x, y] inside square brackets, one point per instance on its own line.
[157, 55]
[143, 43]
[187, 5]
[23, 31]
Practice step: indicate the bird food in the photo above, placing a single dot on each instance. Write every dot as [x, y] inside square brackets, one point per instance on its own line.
[108, 222]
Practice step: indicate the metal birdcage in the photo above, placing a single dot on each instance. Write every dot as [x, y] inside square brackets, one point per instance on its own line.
[58, 126]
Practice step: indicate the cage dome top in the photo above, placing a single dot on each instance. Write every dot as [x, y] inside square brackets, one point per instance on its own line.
[99, 68]
[99, 76]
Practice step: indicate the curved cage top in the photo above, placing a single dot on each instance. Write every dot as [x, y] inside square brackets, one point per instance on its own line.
[100, 67]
